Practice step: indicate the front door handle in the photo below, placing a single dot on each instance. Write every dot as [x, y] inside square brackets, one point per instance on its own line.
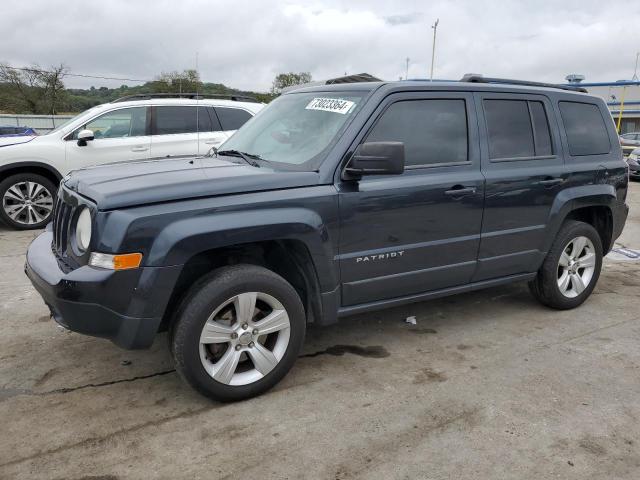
[549, 182]
[213, 142]
[459, 190]
[139, 149]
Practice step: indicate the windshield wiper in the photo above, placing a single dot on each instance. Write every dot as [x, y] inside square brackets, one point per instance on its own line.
[247, 157]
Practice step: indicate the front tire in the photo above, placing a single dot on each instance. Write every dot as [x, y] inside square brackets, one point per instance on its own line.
[237, 332]
[571, 269]
[26, 201]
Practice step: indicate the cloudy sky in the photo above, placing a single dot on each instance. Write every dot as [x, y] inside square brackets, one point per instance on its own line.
[245, 43]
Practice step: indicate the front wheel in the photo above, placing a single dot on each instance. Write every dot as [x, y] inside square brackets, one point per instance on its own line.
[571, 269]
[238, 332]
[27, 201]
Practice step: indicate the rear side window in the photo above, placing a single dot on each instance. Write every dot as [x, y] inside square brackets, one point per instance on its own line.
[585, 127]
[541, 134]
[232, 118]
[204, 120]
[517, 129]
[178, 119]
[433, 131]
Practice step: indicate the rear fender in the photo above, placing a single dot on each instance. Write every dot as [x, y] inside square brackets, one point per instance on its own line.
[574, 198]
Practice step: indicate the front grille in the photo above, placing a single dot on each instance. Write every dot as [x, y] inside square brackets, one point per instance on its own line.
[65, 212]
[62, 215]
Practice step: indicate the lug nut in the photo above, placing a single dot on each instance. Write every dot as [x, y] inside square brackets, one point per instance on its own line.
[238, 347]
[245, 326]
[234, 335]
[251, 345]
[255, 331]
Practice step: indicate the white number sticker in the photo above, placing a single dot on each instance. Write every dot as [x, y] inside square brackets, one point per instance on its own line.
[335, 105]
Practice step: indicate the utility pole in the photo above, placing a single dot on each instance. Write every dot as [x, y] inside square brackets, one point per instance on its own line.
[433, 50]
[406, 76]
[635, 70]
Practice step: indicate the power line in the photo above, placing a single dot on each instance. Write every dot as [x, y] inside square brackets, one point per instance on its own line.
[68, 74]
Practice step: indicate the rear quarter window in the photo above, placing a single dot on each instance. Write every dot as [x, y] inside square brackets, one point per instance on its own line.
[585, 128]
[232, 118]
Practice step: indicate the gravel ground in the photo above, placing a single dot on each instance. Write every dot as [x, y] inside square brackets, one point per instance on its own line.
[486, 385]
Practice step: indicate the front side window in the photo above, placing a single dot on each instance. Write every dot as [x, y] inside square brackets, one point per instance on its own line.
[295, 130]
[433, 131]
[585, 127]
[232, 118]
[126, 122]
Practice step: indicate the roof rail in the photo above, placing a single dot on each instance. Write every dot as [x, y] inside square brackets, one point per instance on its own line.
[477, 78]
[360, 77]
[193, 96]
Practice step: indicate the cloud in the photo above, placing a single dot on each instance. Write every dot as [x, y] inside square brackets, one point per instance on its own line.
[404, 19]
[245, 43]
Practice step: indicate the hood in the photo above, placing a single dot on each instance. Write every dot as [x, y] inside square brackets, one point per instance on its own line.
[139, 183]
[15, 140]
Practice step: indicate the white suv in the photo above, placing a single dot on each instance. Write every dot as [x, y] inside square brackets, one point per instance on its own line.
[132, 128]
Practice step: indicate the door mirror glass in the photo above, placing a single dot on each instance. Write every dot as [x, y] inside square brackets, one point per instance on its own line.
[376, 158]
[85, 136]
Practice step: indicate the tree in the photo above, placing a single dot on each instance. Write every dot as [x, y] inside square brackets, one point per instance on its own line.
[33, 89]
[187, 81]
[284, 80]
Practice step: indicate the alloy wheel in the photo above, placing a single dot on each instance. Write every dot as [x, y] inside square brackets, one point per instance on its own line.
[244, 338]
[576, 267]
[27, 203]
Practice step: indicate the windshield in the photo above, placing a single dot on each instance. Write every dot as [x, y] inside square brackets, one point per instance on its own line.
[62, 125]
[295, 130]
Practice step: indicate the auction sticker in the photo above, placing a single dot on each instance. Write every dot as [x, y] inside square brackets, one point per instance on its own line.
[335, 105]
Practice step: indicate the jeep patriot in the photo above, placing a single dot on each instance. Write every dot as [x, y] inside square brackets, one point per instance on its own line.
[335, 200]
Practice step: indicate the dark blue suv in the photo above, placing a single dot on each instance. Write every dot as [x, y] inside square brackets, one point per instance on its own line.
[335, 200]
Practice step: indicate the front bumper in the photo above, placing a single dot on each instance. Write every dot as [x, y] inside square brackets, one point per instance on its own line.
[126, 307]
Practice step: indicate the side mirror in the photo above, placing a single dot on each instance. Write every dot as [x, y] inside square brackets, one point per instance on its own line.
[376, 158]
[85, 136]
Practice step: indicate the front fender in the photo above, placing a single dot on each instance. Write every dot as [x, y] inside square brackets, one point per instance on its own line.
[182, 239]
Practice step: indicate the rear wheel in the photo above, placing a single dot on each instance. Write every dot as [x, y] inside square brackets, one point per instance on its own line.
[27, 201]
[571, 269]
[238, 332]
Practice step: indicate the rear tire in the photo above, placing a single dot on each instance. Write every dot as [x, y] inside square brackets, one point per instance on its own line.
[571, 268]
[26, 201]
[237, 332]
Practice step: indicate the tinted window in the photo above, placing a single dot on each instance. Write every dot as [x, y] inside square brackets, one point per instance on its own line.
[433, 131]
[232, 118]
[126, 122]
[204, 120]
[541, 129]
[509, 126]
[170, 120]
[585, 127]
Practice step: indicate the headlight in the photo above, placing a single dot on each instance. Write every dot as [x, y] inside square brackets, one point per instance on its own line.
[83, 230]
[633, 158]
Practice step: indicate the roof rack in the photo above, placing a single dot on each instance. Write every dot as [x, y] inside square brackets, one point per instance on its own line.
[477, 78]
[193, 96]
[360, 77]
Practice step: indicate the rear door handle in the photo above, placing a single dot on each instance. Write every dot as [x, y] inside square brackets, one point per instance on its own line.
[551, 181]
[139, 149]
[460, 190]
[213, 142]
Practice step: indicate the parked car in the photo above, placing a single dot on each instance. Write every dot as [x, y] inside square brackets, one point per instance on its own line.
[9, 131]
[633, 160]
[336, 200]
[629, 141]
[138, 127]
